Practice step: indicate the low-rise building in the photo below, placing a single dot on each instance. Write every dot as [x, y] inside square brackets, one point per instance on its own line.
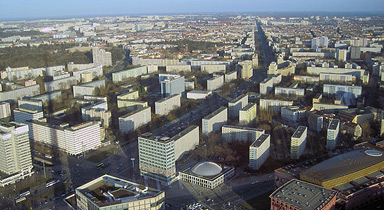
[259, 151]
[109, 192]
[207, 174]
[297, 194]
[214, 121]
[248, 114]
[198, 94]
[133, 120]
[298, 142]
[165, 105]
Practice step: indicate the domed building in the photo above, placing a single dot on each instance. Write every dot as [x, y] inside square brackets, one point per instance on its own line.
[207, 174]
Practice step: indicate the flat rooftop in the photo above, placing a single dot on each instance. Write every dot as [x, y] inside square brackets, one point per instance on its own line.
[260, 140]
[333, 125]
[303, 195]
[135, 112]
[299, 131]
[243, 128]
[217, 111]
[238, 98]
[248, 106]
[108, 190]
[167, 98]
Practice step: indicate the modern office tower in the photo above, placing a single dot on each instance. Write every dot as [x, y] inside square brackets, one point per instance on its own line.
[332, 133]
[298, 142]
[171, 84]
[341, 89]
[165, 105]
[246, 69]
[341, 55]
[158, 155]
[297, 194]
[215, 83]
[259, 151]
[355, 52]
[109, 192]
[26, 116]
[73, 140]
[247, 114]
[133, 120]
[236, 105]
[102, 57]
[5, 110]
[15, 152]
[319, 42]
[214, 121]
[232, 133]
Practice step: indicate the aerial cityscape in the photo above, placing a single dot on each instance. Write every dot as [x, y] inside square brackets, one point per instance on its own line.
[205, 105]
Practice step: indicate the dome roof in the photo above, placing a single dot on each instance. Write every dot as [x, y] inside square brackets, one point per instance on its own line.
[206, 169]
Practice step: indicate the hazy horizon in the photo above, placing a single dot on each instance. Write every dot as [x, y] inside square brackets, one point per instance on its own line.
[45, 9]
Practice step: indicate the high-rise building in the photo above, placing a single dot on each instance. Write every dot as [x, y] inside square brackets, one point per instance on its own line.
[247, 114]
[165, 105]
[15, 152]
[319, 42]
[298, 142]
[102, 57]
[341, 55]
[246, 69]
[26, 116]
[332, 133]
[214, 121]
[5, 110]
[233, 133]
[355, 52]
[158, 155]
[109, 192]
[236, 105]
[171, 84]
[259, 151]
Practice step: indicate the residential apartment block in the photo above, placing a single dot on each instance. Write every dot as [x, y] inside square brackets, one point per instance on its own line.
[73, 140]
[165, 105]
[236, 105]
[215, 83]
[332, 133]
[171, 84]
[341, 89]
[133, 120]
[214, 121]
[247, 114]
[298, 142]
[26, 116]
[259, 151]
[232, 133]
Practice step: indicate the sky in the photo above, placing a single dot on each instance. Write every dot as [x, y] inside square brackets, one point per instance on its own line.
[27, 9]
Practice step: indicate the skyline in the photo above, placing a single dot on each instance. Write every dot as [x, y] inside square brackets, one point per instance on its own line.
[40, 9]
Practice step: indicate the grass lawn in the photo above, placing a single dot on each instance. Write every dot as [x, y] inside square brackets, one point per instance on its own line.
[260, 202]
[101, 155]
